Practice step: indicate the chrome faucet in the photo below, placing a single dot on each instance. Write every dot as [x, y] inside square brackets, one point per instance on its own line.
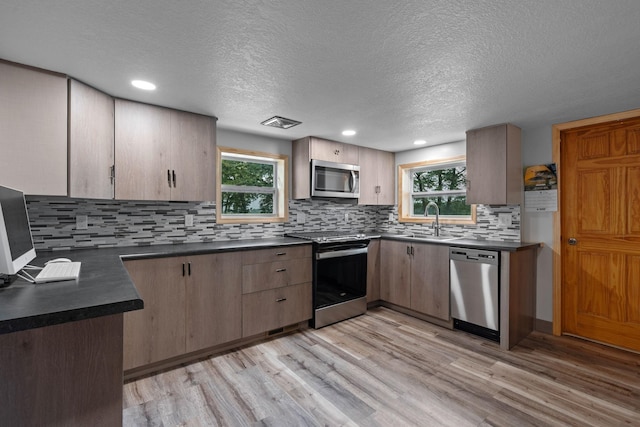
[426, 213]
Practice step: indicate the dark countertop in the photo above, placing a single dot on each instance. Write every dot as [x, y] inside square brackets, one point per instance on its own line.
[104, 286]
[495, 245]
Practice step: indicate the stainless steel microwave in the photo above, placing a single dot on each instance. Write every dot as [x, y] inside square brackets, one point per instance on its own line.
[330, 179]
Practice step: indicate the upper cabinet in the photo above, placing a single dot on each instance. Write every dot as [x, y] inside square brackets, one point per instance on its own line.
[377, 177]
[33, 130]
[163, 154]
[310, 147]
[333, 151]
[494, 165]
[91, 136]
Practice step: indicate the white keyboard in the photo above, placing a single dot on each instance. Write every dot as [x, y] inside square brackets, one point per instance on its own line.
[56, 271]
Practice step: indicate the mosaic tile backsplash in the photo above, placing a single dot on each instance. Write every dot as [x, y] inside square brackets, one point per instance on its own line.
[136, 223]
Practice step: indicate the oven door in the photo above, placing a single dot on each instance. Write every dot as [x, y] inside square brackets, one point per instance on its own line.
[340, 273]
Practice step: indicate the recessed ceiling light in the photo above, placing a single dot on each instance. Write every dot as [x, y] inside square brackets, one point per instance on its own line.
[348, 132]
[141, 84]
[419, 142]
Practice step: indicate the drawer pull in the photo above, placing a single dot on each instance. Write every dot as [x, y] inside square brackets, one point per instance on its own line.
[281, 299]
[281, 253]
[280, 270]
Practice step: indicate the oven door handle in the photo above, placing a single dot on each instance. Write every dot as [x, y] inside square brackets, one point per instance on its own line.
[341, 253]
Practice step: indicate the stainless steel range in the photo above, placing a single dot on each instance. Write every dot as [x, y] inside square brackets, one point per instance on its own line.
[339, 275]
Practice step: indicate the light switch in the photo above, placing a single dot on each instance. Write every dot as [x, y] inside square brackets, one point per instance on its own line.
[301, 218]
[188, 220]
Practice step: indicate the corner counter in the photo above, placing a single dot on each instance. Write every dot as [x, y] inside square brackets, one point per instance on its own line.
[61, 343]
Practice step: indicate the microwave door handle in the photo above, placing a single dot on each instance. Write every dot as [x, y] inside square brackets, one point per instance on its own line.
[352, 182]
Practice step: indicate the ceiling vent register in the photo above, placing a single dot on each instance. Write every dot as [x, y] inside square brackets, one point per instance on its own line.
[280, 122]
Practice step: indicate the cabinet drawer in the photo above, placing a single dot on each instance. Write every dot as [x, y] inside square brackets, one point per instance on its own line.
[282, 253]
[275, 308]
[269, 275]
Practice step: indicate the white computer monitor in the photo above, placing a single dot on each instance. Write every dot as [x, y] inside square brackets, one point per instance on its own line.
[16, 242]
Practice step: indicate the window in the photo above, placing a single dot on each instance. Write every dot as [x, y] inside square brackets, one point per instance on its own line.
[252, 187]
[442, 182]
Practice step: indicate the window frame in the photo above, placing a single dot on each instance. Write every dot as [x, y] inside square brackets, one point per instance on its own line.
[406, 194]
[280, 190]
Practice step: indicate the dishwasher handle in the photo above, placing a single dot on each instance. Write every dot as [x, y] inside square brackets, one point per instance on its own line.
[474, 255]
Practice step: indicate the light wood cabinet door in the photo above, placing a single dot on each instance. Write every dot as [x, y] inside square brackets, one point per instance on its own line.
[377, 177]
[142, 151]
[333, 151]
[494, 165]
[213, 300]
[156, 332]
[395, 272]
[193, 156]
[91, 142]
[268, 275]
[275, 308]
[373, 271]
[430, 280]
[33, 130]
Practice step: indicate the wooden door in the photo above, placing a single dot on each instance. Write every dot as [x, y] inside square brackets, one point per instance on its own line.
[193, 156]
[386, 170]
[156, 332]
[33, 130]
[214, 300]
[395, 272]
[91, 142]
[369, 171]
[142, 153]
[601, 211]
[430, 280]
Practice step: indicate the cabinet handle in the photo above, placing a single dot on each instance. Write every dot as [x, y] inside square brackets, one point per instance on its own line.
[169, 177]
[189, 269]
[411, 250]
[112, 173]
[183, 272]
[174, 178]
[281, 299]
[281, 253]
[408, 250]
[280, 270]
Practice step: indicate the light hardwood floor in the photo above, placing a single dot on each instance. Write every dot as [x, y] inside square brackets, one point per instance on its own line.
[388, 369]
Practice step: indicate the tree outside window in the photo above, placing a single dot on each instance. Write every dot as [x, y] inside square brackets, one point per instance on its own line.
[252, 187]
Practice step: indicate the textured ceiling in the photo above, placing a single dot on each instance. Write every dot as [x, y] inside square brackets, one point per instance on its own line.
[395, 71]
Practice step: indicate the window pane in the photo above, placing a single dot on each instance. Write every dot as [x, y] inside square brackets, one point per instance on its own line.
[247, 203]
[237, 172]
[439, 179]
[449, 205]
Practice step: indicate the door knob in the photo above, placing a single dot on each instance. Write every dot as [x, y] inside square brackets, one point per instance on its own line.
[573, 241]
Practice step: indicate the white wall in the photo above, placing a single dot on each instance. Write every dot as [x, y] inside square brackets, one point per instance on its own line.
[538, 226]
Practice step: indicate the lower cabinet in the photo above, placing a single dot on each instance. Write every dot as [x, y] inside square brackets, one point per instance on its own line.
[373, 271]
[190, 303]
[198, 302]
[415, 276]
[276, 287]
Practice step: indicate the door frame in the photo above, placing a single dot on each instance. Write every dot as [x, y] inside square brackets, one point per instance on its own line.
[556, 131]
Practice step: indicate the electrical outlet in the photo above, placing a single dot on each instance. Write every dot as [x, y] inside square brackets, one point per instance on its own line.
[504, 220]
[390, 217]
[301, 218]
[82, 222]
[346, 217]
[188, 220]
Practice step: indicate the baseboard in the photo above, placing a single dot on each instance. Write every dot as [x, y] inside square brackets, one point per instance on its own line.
[544, 326]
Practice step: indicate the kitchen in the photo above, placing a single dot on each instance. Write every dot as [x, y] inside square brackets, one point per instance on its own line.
[533, 227]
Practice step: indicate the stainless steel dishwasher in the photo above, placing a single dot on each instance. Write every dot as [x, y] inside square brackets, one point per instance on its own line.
[475, 291]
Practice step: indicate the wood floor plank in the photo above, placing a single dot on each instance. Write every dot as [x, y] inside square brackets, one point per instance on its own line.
[386, 368]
